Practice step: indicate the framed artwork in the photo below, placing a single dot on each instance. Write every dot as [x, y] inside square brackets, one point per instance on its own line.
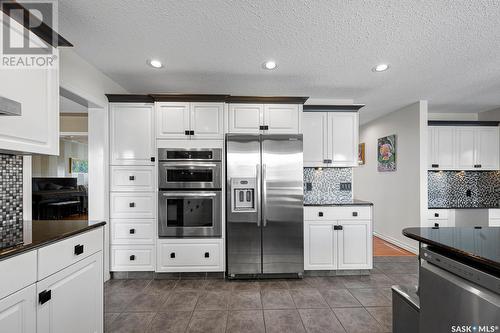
[361, 154]
[387, 153]
[78, 166]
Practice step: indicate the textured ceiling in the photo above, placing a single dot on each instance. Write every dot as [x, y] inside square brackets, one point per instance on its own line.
[445, 51]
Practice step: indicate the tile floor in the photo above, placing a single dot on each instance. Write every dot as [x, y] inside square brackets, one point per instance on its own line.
[314, 304]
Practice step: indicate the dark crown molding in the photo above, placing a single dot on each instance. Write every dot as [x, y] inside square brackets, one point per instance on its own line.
[333, 108]
[133, 98]
[267, 99]
[461, 123]
[188, 98]
[128, 98]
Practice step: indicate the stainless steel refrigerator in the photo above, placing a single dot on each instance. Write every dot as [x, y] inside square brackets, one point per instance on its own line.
[264, 205]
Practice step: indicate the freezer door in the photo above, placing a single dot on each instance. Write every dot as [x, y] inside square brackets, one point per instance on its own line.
[243, 220]
[282, 204]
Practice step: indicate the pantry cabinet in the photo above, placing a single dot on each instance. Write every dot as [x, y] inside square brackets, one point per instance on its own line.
[337, 238]
[184, 121]
[331, 139]
[264, 118]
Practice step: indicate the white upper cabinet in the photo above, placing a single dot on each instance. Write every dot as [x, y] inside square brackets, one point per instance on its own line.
[131, 134]
[330, 139]
[314, 127]
[343, 138]
[264, 118]
[172, 120]
[189, 120]
[463, 148]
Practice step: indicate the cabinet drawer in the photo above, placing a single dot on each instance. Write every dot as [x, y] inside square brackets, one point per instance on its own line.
[133, 205]
[133, 178]
[53, 258]
[437, 214]
[132, 258]
[337, 213]
[132, 232]
[190, 257]
[17, 272]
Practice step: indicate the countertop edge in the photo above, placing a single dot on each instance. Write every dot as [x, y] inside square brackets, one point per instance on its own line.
[20, 249]
[354, 203]
[463, 208]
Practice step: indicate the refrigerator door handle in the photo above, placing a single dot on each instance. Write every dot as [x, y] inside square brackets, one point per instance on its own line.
[264, 195]
[257, 195]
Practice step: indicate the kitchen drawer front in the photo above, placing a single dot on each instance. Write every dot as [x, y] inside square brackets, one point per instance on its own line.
[437, 214]
[132, 205]
[190, 257]
[318, 213]
[132, 258]
[17, 272]
[54, 257]
[125, 231]
[132, 178]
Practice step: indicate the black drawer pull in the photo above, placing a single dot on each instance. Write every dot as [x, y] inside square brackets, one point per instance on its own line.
[172, 255]
[207, 255]
[477, 165]
[191, 132]
[131, 205]
[261, 128]
[44, 296]
[78, 249]
[132, 231]
[320, 214]
[436, 214]
[435, 165]
[338, 227]
[186, 132]
[354, 214]
[132, 257]
[131, 178]
[436, 226]
[152, 159]
[327, 161]
[266, 127]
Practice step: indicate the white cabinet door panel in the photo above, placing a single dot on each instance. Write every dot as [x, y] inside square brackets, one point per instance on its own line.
[354, 245]
[315, 138]
[131, 134]
[18, 311]
[76, 298]
[319, 245]
[445, 147]
[487, 148]
[281, 118]
[465, 148]
[343, 138]
[245, 118]
[172, 120]
[17, 272]
[207, 120]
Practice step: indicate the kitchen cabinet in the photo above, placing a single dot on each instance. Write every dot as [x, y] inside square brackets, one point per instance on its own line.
[131, 134]
[132, 257]
[189, 120]
[441, 218]
[331, 139]
[264, 118]
[494, 217]
[337, 238]
[18, 311]
[463, 148]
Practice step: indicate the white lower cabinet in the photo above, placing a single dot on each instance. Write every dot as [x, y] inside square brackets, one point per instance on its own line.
[190, 255]
[440, 218]
[132, 258]
[18, 311]
[337, 238]
[494, 217]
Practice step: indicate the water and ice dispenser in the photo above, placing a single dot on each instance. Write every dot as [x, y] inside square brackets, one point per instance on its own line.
[244, 191]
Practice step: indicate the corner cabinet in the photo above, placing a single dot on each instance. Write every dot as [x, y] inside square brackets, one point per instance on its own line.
[179, 120]
[131, 134]
[338, 238]
[264, 118]
[330, 139]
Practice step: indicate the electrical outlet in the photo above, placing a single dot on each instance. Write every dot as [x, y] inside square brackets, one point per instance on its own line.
[309, 186]
[345, 186]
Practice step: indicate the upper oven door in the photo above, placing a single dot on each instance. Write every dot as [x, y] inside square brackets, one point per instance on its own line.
[189, 175]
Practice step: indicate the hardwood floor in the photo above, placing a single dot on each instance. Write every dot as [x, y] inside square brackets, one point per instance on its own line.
[383, 248]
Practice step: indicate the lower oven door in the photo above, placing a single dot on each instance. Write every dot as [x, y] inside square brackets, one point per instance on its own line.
[189, 214]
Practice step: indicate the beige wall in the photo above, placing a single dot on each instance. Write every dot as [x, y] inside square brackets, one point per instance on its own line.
[400, 197]
[74, 123]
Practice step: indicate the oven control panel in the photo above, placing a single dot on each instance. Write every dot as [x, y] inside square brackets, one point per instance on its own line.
[243, 195]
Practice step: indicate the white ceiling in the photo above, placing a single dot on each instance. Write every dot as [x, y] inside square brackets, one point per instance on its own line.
[445, 51]
[66, 105]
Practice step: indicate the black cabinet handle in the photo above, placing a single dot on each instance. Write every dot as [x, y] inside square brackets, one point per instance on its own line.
[152, 159]
[261, 128]
[338, 227]
[435, 165]
[44, 296]
[266, 127]
[132, 231]
[207, 255]
[78, 249]
[172, 255]
[477, 165]
[131, 177]
[191, 132]
[436, 214]
[320, 214]
[132, 257]
[354, 214]
[131, 205]
[327, 161]
[186, 132]
[436, 226]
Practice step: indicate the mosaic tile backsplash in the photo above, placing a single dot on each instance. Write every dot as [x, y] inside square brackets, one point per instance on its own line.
[11, 200]
[326, 185]
[456, 189]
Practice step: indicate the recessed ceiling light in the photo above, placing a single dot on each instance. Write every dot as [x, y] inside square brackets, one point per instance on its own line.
[270, 64]
[155, 63]
[380, 68]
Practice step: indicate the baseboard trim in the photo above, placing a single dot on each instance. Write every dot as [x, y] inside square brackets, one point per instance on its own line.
[396, 242]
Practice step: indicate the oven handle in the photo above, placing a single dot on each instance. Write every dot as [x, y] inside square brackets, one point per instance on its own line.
[184, 194]
[177, 165]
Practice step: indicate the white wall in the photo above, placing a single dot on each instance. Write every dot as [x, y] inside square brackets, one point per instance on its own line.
[400, 197]
[453, 116]
[492, 115]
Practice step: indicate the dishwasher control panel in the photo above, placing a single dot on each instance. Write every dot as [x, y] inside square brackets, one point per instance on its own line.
[243, 195]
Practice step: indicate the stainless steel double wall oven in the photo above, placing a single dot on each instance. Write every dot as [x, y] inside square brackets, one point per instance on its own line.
[190, 192]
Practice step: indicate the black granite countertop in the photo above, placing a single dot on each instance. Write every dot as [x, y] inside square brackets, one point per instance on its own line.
[40, 233]
[478, 247]
[354, 202]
